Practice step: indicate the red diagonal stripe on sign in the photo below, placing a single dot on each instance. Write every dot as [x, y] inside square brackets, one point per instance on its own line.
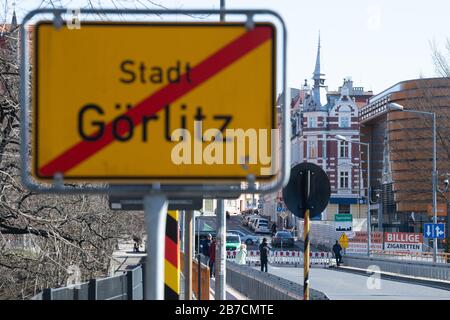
[172, 251]
[158, 100]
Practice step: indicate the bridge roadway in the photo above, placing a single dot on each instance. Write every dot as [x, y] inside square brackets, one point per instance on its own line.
[341, 285]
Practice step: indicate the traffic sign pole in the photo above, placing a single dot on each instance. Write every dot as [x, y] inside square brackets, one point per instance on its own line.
[219, 265]
[155, 212]
[188, 217]
[306, 248]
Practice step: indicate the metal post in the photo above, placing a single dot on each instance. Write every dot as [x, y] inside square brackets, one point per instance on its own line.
[369, 229]
[188, 255]
[435, 249]
[199, 263]
[222, 9]
[306, 248]
[219, 265]
[155, 211]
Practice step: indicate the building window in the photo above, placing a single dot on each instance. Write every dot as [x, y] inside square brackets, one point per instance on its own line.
[344, 122]
[294, 126]
[208, 205]
[312, 122]
[343, 208]
[312, 149]
[343, 149]
[343, 180]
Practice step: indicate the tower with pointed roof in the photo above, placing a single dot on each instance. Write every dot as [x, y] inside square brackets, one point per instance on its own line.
[317, 99]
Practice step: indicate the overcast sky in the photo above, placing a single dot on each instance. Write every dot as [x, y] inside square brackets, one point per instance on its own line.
[377, 42]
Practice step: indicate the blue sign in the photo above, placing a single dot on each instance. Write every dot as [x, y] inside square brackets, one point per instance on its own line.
[280, 207]
[434, 230]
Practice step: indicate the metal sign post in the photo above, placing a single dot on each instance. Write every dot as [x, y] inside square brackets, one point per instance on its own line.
[188, 255]
[199, 263]
[306, 195]
[219, 265]
[155, 211]
[307, 246]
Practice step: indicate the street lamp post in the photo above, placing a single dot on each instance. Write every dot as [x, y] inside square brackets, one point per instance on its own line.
[342, 138]
[398, 107]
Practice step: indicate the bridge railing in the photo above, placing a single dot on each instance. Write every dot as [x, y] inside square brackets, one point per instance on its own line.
[126, 286]
[412, 256]
[258, 285]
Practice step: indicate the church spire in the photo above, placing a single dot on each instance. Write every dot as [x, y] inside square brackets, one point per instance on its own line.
[317, 69]
[319, 91]
[14, 17]
[318, 77]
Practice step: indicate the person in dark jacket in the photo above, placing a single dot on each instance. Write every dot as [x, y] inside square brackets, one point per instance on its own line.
[205, 245]
[212, 259]
[274, 229]
[264, 254]
[337, 253]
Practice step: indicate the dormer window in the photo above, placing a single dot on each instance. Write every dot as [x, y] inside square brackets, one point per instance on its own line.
[344, 121]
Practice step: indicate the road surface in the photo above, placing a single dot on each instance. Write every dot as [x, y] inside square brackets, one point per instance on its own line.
[338, 285]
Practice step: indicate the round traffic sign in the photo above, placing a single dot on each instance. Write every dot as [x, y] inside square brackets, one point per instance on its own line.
[308, 188]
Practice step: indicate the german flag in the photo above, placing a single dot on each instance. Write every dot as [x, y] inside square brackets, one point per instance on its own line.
[172, 258]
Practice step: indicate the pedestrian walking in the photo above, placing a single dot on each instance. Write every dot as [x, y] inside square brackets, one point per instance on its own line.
[274, 229]
[264, 254]
[205, 244]
[241, 256]
[212, 259]
[137, 243]
[337, 253]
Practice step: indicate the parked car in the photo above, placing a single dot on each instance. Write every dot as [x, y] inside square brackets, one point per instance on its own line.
[261, 225]
[283, 239]
[251, 222]
[246, 220]
[233, 241]
[249, 239]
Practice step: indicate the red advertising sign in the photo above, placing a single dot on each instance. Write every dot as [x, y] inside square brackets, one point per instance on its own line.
[403, 242]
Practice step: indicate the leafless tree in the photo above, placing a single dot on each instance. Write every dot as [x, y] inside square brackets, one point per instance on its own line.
[441, 58]
[42, 236]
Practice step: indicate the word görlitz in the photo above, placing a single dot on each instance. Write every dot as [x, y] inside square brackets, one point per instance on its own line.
[123, 127]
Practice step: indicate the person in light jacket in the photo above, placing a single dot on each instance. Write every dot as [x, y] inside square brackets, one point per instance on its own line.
[242, 254]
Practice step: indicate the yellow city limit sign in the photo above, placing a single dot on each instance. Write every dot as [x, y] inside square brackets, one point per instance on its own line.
[115, 101]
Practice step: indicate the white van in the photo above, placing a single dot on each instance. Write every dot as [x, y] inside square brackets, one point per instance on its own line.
[261, 225]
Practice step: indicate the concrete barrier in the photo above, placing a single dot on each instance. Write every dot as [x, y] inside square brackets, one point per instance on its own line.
[439, 271]
[257, 285]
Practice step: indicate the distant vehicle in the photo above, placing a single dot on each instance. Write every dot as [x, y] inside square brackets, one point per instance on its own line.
[246, 220]
[283, 239]
[250, 212]
[249, 239]
[251, 222]
[233, 241]
[261, 225]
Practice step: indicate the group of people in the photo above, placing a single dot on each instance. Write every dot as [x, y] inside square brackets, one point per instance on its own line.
[208, 249]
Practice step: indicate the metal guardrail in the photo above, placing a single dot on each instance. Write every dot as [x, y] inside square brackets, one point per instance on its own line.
[412, 256]
[430, 270]
[127, 286]
[257, 285]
